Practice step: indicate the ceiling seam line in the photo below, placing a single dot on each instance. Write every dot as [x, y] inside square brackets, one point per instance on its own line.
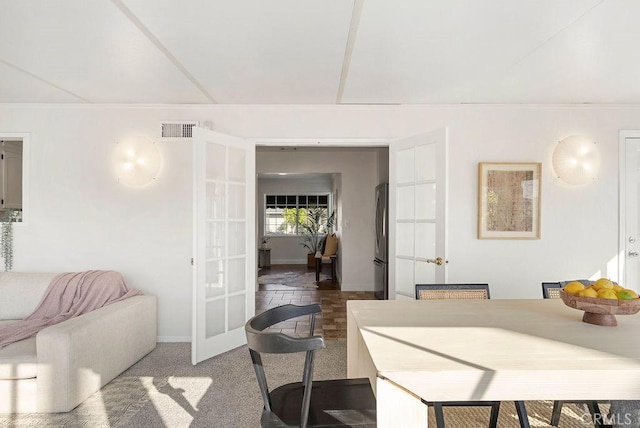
[548, 39]
[30, 74]
[351, 41]
[158, 44]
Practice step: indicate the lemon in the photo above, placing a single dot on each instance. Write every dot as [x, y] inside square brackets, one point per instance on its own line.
[588, 292]
[573, 287]
[607, 293]
[631, 292]
[617, 287]
[602, 283]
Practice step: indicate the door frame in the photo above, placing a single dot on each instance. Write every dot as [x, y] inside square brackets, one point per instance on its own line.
[622, 201]
[25, 137]
[332, 143]
[314, 142]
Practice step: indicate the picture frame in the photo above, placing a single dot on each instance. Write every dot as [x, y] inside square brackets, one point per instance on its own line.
[509, 200]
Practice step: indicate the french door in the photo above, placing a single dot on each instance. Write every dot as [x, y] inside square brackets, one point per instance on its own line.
[417, 212]
[629, 257]
[224, 242]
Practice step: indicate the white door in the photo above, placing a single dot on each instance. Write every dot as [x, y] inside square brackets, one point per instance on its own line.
[224, 242]
[417, 212]
[629, 219]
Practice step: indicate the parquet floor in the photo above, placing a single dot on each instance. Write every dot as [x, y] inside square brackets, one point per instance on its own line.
[332, 323]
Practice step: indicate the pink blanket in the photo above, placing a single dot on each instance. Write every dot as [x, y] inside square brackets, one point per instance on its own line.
[69, 295]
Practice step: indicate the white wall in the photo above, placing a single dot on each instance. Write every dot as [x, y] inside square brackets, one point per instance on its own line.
[82, 219]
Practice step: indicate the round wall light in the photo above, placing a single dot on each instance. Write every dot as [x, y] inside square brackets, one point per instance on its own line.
[137, 161]
[576, 160]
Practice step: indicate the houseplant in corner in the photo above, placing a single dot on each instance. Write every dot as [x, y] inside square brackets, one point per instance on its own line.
[6, 237]
[314, 227]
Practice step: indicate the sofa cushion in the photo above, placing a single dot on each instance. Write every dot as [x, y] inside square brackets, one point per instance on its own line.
[21, 292]
[331, 245]
[19, 360]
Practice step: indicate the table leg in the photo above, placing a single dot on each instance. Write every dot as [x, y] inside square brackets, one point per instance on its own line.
[396, 407]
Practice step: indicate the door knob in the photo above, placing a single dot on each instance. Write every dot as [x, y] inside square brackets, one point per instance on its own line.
[438, 261]
[632, 254]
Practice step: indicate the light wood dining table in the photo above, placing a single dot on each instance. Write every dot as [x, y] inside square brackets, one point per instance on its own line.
[504, 350]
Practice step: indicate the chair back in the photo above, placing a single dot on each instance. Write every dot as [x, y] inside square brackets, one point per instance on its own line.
[259, 339]
[452, 291]
[551, 290]
[329, 245]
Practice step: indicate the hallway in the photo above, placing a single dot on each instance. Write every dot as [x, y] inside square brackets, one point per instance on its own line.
[282, 284]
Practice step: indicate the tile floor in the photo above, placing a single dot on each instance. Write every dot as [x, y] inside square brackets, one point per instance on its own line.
[331, 323]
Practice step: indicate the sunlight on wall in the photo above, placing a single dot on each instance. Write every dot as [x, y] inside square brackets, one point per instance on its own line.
[611, 270]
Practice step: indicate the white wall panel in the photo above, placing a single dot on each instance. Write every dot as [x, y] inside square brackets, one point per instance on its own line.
[81, 218]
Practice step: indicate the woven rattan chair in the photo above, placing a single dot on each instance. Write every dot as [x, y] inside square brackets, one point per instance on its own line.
[551, 290]
[466, 292]
[452, 291]
[335, 403]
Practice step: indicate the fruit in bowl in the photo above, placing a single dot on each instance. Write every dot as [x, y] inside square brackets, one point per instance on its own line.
[603, 288]
[601, 301]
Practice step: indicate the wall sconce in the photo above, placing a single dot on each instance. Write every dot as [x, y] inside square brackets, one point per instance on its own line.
[137, 161]
[576, 160]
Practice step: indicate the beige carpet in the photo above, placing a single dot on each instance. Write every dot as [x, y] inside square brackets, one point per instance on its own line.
[165, 390]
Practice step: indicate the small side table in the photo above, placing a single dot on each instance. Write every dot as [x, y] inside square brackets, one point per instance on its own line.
[264, 257]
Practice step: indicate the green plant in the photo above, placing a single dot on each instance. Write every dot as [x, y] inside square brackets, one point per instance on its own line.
[317, 222]
[6, 238]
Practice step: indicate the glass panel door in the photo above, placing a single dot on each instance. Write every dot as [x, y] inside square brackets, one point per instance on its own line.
[224, 231]
[417, 212]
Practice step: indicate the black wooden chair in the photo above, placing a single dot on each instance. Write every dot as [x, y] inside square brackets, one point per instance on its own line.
[465, 292]
[327, 403]
[551, 290]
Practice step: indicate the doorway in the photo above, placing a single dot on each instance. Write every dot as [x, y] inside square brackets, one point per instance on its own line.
[348, 175]
[229, 162]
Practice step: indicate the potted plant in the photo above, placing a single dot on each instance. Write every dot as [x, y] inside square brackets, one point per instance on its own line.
[6, 236]
[314, 227]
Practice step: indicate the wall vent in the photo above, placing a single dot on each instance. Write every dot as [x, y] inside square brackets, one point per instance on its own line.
[179, 130]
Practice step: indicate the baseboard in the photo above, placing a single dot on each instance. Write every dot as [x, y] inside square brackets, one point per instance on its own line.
[289, 261]
[354, 286]
[167, 339]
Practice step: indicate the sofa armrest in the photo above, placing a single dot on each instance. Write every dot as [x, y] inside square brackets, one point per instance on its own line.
[79, 356]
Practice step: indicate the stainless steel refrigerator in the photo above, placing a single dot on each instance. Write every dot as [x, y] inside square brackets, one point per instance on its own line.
[380, 262]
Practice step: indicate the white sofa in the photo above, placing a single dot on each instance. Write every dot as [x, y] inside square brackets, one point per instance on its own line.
[65, 363]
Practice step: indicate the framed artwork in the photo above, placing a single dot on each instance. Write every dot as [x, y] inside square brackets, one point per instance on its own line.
[509, 200]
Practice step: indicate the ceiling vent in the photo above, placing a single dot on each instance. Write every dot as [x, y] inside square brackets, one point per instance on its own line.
[178, 130]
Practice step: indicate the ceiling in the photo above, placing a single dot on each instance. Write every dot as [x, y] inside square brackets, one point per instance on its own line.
[319, 51]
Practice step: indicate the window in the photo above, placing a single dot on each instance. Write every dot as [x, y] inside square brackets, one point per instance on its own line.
[284, 213]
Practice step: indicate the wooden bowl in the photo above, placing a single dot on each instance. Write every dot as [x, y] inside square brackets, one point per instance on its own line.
[600, 311]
